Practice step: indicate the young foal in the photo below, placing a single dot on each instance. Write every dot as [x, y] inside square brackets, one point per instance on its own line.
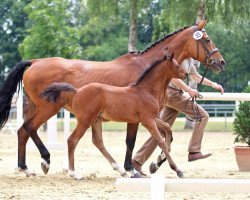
[139, 102]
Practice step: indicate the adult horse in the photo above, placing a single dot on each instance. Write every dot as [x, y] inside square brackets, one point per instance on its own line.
[39, 73]
[138, 102]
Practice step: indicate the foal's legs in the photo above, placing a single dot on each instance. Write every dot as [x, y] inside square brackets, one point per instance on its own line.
[72, 143]
[152, 128]
[98, 142]
[163, 126]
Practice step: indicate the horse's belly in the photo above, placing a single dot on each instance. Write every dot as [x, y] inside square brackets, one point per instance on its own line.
[120, 117]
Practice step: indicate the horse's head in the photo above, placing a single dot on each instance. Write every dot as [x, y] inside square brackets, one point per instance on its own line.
[202, 48]
[176, 71]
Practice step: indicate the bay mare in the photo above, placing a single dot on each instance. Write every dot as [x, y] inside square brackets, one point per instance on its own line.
[139, 102]
[37, 74]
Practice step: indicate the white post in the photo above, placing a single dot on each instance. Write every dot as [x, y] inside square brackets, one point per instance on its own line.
[19, 117]
[19, 108]
[157, 187]
[237, 104]
[52, 130]
[66, 135]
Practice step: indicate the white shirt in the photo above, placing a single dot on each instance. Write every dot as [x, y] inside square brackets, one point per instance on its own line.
[190, 69]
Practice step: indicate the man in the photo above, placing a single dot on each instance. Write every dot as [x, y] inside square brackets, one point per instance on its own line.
[177, 102]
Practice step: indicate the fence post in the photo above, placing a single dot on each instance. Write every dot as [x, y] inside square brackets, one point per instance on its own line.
[157, 187]
[66, 123]
[19, 108]
[52, 130]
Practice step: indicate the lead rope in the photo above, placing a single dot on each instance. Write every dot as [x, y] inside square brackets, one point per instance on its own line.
[196, 112]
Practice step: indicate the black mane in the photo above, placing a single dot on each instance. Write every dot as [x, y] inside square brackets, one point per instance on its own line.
[148, 70]
[158, 41]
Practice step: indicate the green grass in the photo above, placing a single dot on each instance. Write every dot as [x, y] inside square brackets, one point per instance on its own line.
[178, 126]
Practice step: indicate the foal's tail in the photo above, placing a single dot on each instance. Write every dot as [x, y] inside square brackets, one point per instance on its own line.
[53, 92]
[9, 88]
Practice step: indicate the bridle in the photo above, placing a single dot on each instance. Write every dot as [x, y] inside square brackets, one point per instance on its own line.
[207, 62]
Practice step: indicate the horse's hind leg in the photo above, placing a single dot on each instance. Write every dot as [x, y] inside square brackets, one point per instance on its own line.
[130, 142]
[98, 142]
[31, 126]
[23, 137]
[72, 143]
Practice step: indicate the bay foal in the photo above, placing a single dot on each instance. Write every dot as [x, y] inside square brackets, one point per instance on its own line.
[139, 102]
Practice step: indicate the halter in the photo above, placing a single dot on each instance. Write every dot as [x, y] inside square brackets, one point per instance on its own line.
[208, 61]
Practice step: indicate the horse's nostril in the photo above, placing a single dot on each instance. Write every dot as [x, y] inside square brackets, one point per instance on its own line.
[222, 63]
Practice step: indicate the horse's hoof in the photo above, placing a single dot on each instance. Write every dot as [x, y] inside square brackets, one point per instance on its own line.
[124, 174]
[27, 172]
[45, 167]
[153, 167]
[75, 175]
[135, 174]
[30, 174]
[180, 174]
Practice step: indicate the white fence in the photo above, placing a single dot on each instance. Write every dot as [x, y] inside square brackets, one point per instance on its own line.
[158, 185]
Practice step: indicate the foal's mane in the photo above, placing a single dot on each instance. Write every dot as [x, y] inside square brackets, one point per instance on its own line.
[158, 41]
[149, 69]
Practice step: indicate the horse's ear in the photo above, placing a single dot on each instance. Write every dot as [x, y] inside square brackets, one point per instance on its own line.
[201, 24]
[172, 56]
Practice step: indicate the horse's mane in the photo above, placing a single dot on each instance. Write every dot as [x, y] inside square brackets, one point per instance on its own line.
[149, 69]
[158, 41]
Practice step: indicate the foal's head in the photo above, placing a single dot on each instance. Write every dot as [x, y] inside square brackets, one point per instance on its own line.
[175, 70]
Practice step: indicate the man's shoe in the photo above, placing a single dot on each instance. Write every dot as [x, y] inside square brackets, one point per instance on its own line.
[137, 167]
[197, 156]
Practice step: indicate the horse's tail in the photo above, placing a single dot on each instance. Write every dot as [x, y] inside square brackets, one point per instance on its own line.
[9, 88]
[53, 92]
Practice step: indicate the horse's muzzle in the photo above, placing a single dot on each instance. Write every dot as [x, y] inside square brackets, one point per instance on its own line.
[217, 66]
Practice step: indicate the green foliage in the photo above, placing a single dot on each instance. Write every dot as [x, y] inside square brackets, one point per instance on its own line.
[12, 32]
[234, 45]
[241, 124]
[50, 33]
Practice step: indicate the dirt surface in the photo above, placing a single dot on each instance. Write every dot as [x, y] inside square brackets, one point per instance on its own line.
[99, 178]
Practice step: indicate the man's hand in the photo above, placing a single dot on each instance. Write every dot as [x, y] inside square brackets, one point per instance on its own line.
[193, 92]
[218, 87]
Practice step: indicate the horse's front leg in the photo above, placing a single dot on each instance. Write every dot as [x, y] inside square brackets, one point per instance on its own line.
[163, 127]
[151, 126]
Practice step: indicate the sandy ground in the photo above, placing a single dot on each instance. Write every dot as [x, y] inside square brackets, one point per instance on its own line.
[99, 178]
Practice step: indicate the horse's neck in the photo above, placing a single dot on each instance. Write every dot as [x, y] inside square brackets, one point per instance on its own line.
[177, 43]
[155, 81]
[163, 93]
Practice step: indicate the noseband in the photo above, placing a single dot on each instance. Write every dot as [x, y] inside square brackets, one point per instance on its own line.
[208, 61]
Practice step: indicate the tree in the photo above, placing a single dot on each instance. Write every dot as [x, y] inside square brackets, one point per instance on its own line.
[200, 13]
[12, 32]
[51, 32]
[133, 26]
[126, 17]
